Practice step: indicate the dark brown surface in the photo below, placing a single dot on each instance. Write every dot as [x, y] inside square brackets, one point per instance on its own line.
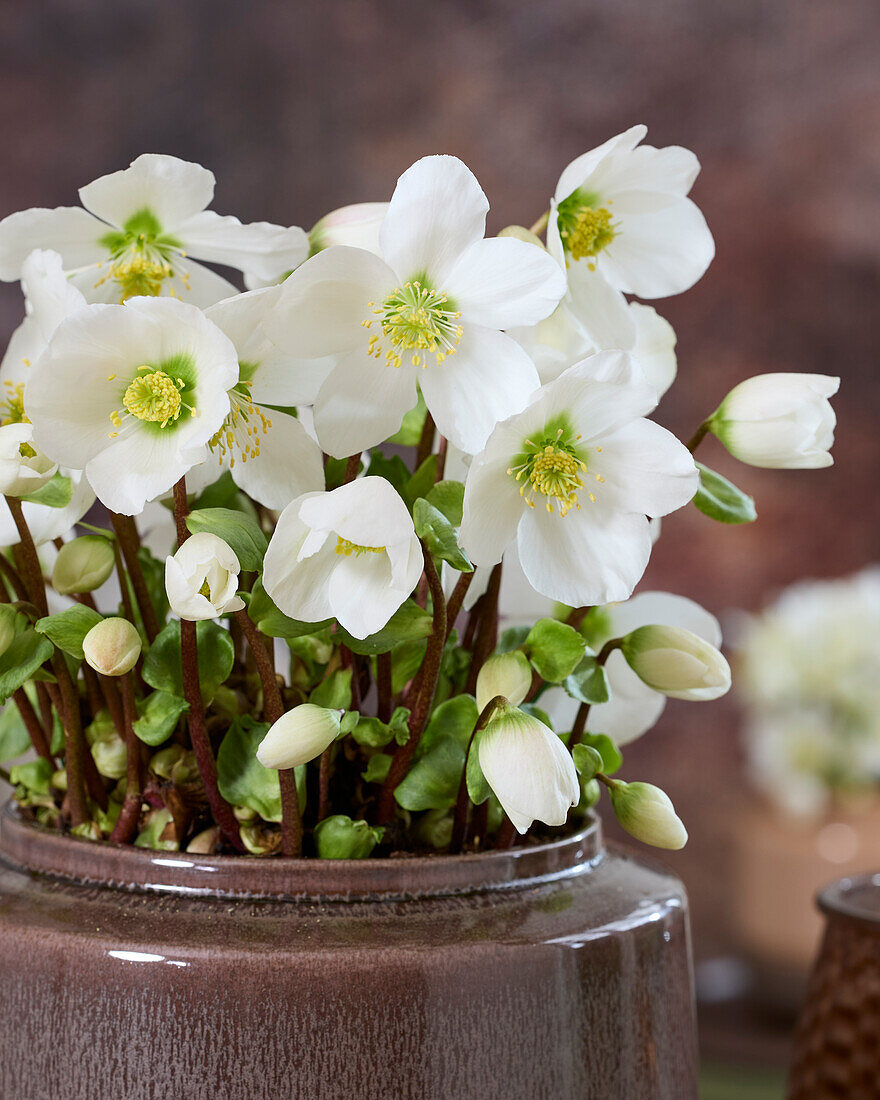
[837, 1047]
[571, 982]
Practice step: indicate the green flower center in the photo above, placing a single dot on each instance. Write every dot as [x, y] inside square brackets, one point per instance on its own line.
[553, 468]
[140, 256]
[154, 397]
[346, 548]
[584, 226]
[12, 404]
[414, 319]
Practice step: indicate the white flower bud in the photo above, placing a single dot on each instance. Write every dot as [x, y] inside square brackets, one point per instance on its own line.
[529, 769]
[299, 736]
[82, 565]
[201, 579]
[507, 674]
[356, 226]
[677, 663]
[112, 647]
[779, 421]
[23, 469]
[647, 813]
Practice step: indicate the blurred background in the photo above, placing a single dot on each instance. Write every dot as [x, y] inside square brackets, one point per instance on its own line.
[299, 108]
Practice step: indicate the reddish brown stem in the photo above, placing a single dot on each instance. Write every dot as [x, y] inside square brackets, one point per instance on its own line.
[12, 575]
[506, 834]
[32, 724]
[351, 468]
[273, 706]
[442, 448]
[453, 608]
[487, 629]
[130, 543]
[324, 784]
[33, 573]
[426, 441]
[462, 803]
[580, 724]
[383, 687]
[430, 673]
[291, 819]
[576, 616]
[74, 742]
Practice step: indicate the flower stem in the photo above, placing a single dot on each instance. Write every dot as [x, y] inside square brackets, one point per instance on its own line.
[13, 576]
[74, 742]
[324, 783]
[459, 824]
[487, 629]
[33, 573]
[576, 616]
[273, 707]
[130, 543]
[430, 673]
[580, 724]
[539, 225]
[351, 468]
[32, 724]
[453, 608]
[291, 819]
[198, 732]
[127, 823]
[123, 582]
[383, 687]
[698, 436]
[506, 834]
[426, 440]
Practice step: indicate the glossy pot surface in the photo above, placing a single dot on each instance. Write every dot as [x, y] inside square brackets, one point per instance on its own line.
[560, 972]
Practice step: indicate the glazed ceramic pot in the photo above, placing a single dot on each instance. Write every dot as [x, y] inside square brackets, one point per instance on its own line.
[560, 972]
[837, 1047]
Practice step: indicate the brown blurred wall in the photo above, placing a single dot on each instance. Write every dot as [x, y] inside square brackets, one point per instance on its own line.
[302, 107]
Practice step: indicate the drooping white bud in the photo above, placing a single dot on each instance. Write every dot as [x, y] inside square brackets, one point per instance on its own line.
[677, 662]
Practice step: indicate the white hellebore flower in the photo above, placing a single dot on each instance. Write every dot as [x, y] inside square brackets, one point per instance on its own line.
[529, 769]
[633, 707]
[677, 663]
[429, 314]
[141, 232]
[621, 212]
[23, 469]
[132, 394]
[269, 453]
[201, 579]
[647, 813]
[780, 421]
[351, 554]
[573, 478]
[299, 735]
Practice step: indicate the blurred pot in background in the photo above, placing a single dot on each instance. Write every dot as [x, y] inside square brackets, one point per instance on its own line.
[810, 684]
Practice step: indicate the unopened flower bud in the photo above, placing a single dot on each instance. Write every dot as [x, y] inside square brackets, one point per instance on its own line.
[779, 421]
[528, 768]
[677, 662]
[647, 813]
[507, 674]
[112, 647]
[356, 226]
[201, 579]
[339, 837]
[82, 565]
[299, 736]
[23, 469]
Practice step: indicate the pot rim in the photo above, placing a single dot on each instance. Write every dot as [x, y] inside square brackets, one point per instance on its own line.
[842, 899]
[28, 846]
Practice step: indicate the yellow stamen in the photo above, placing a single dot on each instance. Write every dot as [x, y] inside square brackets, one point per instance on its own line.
[346, 548]
[153, 397]
[414, 319]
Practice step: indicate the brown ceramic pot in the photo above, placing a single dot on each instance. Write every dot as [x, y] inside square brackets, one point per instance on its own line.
[837, 1047]
[560, 972]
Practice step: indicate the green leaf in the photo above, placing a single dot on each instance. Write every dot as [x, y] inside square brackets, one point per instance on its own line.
[478, 788]
[406, 660]
[334, 472]
[588, 683]
[587, 760]
[439, 535]
[455, 718]
[36, 776]
[410, 431]
[610, 753]
[242, 533]
[720, 499]
[223, 493]
[68, 628]
[512, 638]
[419, 485]
[159, 714]
[448, 498]
[377, 768]
[242, 779]
[216, 656]
[14, 738]
[393, 469]
[338, 837]
[274, 623]
[555, 649]
[433, 780]
[334, 692]
[154, 575]
[24, 655]
[408, 623]
[56, 493]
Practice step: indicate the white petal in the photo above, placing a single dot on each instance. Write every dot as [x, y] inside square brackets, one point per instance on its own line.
[600, 394]
[671, 170]
[265, 250]
[591, 556]
[654, 347]
[656, 255]
[361, 594]
[645, 469]
[46, 523]
[492, 509]
[599, 307]
[68, 230]
[488, 379]
[367, 512]
[362, 402]
[50, 297]
[500, 282]
[241, 317]
[325, 302]
[437, 210]
[138, 468]
[288, 465]
[632, 708]
[583, 166]
[766, 396]
[298, 587]
[170, 189]
[202, 287]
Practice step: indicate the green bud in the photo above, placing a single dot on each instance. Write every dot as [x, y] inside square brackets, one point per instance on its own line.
[82, 565]
[112, 647]
[587, 760]
[647, 813]
[339, 837]
[506, 674]
[176, 764]
[260, 840]
[299, 736]
[244, 814]
[110, 756]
